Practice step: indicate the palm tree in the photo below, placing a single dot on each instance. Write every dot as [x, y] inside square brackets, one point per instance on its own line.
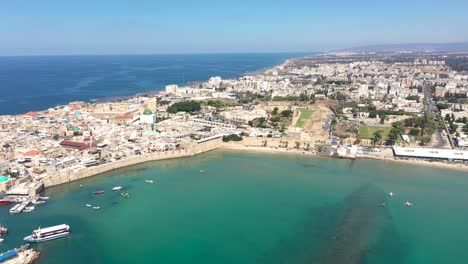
[298, 144]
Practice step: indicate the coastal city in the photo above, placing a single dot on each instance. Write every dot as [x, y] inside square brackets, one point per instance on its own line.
[410, 108]
[337, 105]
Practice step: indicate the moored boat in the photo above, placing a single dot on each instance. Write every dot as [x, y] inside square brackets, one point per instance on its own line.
[15, 209]
[96, 207]
[88, 205]
[48, 233]
[149, 181]
[5, 202]
[28, 209]
[117, 188]
[3, 230]
[99, 192]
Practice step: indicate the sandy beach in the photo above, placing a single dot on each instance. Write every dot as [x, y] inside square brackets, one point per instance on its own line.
[273, 150]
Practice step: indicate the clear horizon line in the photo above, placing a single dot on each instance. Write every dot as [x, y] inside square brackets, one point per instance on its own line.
[159, 53]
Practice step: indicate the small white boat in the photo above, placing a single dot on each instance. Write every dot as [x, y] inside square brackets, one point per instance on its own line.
[117, 188]
[408, 204]
[44, 197]
[96, 207]
[202, 171]
[390, 194]
[38, 202]
[149, 181]
[1, 240]
[28, 209]
[88, 205]
[81, 185]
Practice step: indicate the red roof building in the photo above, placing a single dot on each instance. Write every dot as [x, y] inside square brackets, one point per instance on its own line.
[75, 145]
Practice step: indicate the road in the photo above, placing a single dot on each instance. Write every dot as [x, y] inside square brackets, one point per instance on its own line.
[431, 106]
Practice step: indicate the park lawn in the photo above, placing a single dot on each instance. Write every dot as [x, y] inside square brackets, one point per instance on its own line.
[367, 132]
[303, 117]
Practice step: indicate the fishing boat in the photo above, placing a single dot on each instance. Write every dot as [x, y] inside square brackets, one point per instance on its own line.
[48, 233]
[117, 188]
[99, 192]
[149, 181]
[96, 207]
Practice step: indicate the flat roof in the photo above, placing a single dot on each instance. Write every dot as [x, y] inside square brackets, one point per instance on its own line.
[431, 153]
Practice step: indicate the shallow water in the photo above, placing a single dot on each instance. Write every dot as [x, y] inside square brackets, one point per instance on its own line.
[256, 208]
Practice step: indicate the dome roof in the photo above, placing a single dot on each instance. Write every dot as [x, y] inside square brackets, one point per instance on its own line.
[147, 112]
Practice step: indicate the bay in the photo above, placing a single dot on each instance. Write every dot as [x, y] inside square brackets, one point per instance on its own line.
[256, 208]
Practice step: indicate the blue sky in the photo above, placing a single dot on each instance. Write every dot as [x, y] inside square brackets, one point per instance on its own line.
[185, 26]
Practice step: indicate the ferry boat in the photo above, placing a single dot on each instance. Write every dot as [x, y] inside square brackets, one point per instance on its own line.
[48, 233]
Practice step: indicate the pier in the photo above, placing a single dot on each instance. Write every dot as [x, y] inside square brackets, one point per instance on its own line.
[23, 202]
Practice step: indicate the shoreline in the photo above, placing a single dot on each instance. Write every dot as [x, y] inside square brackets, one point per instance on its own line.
[421, 163]
[217, 145]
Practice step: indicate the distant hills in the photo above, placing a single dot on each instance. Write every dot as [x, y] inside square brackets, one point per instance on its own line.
[413, 47]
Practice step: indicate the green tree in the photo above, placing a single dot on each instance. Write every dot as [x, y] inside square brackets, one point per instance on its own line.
[298, 144]
[425, 140]
[187, 106]
[275, 111]
[377, 137]
[232, 137]
[286, 113]
[415, 132]
[372, 114]
[465, 128]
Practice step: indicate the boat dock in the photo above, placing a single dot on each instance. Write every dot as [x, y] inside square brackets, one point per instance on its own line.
[23, 203]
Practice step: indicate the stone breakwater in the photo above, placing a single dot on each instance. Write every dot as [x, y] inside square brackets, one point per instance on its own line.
[28, 256]
[188, 151]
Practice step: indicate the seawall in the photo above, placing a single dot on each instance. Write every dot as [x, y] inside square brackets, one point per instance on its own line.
[189, 150]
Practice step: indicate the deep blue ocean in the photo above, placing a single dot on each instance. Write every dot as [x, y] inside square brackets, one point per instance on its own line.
[40, 82]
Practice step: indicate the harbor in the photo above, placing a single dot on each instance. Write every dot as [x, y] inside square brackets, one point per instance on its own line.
[23, 203]
[205, 203]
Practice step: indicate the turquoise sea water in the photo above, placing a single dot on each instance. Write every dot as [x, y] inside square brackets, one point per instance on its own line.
[256, 208]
